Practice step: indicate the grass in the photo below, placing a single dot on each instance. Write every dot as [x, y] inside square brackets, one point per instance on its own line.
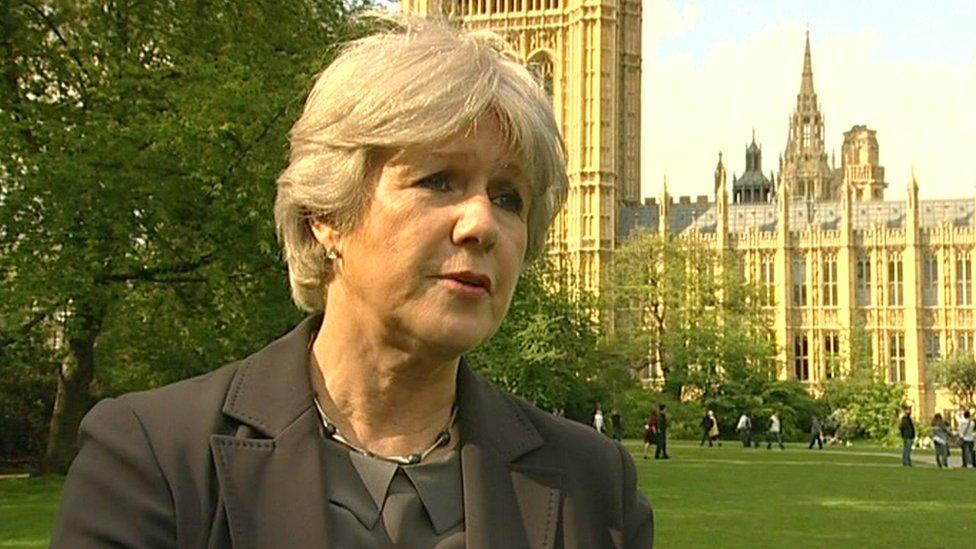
[721, 497]
[844, 497]
[27, 510]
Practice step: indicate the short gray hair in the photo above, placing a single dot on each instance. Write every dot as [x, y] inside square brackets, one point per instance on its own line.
[414, 84]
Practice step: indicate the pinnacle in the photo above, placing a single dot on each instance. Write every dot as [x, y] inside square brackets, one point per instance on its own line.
[806, 84]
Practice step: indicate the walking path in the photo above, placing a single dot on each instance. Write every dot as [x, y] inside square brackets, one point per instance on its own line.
[17, 475]
[918, 455]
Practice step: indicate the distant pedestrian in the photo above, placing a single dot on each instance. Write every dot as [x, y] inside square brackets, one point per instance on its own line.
[598, 423]
[713, 431]
[940, 438]
[745, 430]
[907, 431]
[706, 424]
[816, 433]
[650, 431]
[661, 452]
[775, 432]
[966, 438]
[617, 423]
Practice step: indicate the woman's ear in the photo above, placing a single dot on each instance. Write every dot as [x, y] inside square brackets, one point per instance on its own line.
[326, 235]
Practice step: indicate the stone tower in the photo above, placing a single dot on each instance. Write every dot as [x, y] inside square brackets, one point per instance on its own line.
[804, 167]
[753, 187]
[586, 53]
[859, 161]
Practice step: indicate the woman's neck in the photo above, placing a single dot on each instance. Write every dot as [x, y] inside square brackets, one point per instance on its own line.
[384, 398]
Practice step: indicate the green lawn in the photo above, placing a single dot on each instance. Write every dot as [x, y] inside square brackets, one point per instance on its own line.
[27, 509]
[722, 497]
[844, 497]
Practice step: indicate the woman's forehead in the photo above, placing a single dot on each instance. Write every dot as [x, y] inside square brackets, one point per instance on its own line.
[479, 145]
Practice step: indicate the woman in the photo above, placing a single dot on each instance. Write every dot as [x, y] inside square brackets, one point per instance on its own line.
[424, 172]
[598, 423]
[940, 439]
[650, 432]
[713, 431]
[967, 436]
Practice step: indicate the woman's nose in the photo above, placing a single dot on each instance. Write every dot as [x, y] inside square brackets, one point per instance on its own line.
[476, 224]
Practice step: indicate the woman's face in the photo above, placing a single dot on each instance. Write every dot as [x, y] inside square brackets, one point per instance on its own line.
[435, 259]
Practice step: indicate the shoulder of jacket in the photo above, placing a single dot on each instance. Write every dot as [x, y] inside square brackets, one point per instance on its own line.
[194, 405]
[576, 443]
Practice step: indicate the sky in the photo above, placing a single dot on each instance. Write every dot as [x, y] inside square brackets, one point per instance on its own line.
[713, 71]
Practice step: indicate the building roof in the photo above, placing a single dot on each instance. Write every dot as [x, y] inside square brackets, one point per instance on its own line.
[804, 215]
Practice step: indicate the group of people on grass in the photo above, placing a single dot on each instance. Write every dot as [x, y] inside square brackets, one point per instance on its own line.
[942, 438]
[655, 430]
[656, 433]
[746, 429]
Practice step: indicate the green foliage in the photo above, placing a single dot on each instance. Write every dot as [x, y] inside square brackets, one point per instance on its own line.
[864, 407]
[688, 309]
[547, 348]
[680, 305]
[26, 396]
[957, 374]
[139, 144]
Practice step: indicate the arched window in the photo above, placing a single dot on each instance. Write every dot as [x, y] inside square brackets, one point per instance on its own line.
[540, 65]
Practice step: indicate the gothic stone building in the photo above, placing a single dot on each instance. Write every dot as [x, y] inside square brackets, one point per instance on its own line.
[587, 54]
[829, 252]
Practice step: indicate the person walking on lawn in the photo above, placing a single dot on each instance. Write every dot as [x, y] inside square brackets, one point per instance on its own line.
[966, 438]
[745, 430]
[650, 432]
[907, 431]
[661, 452]
[775, 432]
[816, 433]
[940, 439]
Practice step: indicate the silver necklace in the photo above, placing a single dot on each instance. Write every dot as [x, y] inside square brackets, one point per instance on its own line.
[442, 439]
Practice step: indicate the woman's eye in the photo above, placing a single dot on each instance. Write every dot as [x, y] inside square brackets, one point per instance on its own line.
[440, 181]
[510, 200]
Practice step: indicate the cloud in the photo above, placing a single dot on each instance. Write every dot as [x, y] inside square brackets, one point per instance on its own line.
[671, 21]
[924, 113]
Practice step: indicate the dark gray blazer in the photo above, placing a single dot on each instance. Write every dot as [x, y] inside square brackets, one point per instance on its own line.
[234, 459]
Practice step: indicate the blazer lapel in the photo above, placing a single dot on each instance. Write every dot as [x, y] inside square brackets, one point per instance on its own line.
[272, 475]
[272, 484]
[274, 490]
[506, 503]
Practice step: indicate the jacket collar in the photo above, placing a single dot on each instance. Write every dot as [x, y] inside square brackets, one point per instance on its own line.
[508, 502]
[271, 390]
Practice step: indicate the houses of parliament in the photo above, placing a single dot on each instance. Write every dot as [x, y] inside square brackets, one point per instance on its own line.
[827, 250]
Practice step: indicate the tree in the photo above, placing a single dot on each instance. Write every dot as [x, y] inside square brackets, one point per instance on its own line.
[682, 305]
[958, 375]
[863, 404]
[138, 148]
[547, 349]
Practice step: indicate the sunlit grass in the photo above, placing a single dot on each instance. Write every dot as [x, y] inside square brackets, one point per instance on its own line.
[27, 509]
[721, 497]
[838, 497]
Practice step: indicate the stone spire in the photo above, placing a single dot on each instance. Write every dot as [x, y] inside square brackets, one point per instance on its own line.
[913, 193]
[805, 170]
[720, 174]
[806, 85]
[665, 209]
[721, 204]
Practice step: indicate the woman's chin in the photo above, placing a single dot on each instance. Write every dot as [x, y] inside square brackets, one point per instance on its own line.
[457, 336]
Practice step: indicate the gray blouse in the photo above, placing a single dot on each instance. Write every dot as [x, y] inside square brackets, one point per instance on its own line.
[420, 505]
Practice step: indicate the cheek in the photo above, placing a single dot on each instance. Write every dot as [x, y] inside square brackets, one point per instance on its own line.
[510, 267]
